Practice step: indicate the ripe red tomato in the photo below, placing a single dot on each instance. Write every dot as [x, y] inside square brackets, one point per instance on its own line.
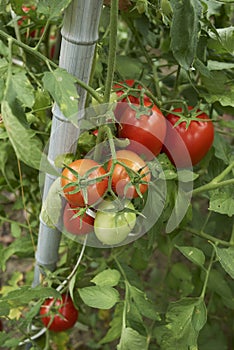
[75, 194]
[186, 144]
[121, 178]
[59, 315]
[124, 5]
[148, 131]
[123, 103]
[79, 225]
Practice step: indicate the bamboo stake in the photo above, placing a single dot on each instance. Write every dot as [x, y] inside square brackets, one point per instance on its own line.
[79, 37]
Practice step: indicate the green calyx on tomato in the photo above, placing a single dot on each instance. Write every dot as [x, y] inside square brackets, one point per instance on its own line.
[128, 92]
[84, 182]
[113, 223]
[76, 221]
[192, 134]
[58, 315]
[130, 174]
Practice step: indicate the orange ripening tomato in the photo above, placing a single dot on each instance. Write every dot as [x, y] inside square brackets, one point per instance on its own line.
[124, 184]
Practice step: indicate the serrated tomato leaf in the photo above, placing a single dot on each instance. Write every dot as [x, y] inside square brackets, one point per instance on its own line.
[61, 85]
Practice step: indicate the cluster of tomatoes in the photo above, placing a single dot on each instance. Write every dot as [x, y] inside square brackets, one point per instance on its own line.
[108, 191]
[99, 197]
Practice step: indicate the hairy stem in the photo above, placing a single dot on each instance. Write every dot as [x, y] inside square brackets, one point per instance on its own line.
[112, 49]
[204, 235]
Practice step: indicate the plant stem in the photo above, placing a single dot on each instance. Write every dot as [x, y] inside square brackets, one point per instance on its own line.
[111, 142]
[232, 237]
[207, 274]
[216, 182]
[177, 80]
[67, 280]
[209, 237]
[223, 173]
[43, 35]
[212, 186]
[126, 294]
[147, 56]
[112, 49]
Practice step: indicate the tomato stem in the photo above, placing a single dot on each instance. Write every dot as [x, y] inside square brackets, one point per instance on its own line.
[208, 237]
[112, 50]
[147, 56]
[202, 296]
[216, 182]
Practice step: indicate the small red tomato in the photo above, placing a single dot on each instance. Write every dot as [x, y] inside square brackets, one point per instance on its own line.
[59, 315]
[121, 179]
[189, 141]
[84, 170]
[147, 130]
[78, 225]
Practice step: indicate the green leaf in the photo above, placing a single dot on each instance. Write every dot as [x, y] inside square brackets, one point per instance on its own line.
[143, 304]
[184, 30]
[219, 65]
[52, 8]
[222, 201]
[109, 277]
[51, 207]
[225, 39]
[222, 148]
[218, 284]
[128, 67]
[185, 318]
[19, 246]
[23, 89]
[15, 229]
[114, 331]
[219, 88]
[100, 297]
[193, 254]
[61, 85]
[131, 339]
[26, 144]
[25, 294]
[226, 259]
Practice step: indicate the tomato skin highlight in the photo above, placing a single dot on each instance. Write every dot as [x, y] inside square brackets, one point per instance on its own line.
[113, 227]
[121, 179]
[197, 139]
[147, 130]
[79, 225]
[95, 191]
[66, 315]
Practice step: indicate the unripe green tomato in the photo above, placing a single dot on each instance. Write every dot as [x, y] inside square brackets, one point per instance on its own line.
[112, 226]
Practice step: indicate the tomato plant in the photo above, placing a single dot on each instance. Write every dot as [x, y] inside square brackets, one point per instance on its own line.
[146, 130]
[79, 185]
[196, 135]
[77, 221]
[171, 281]
[114, 221]
[132, 181]
[59, 315]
